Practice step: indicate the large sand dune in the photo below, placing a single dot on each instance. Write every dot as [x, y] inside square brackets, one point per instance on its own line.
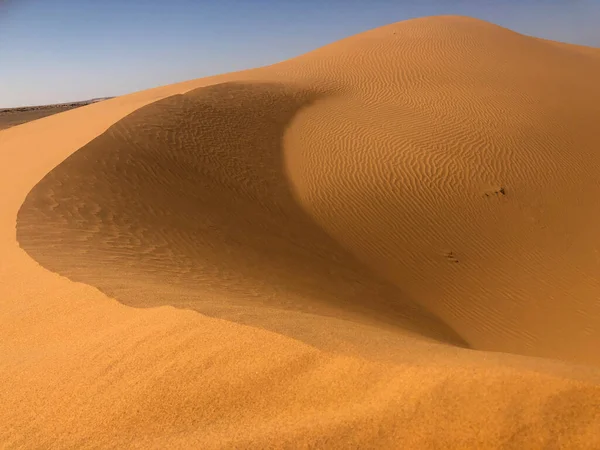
[387, 242]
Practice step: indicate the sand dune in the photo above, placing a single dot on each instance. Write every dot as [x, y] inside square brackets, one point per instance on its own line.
[388, 242]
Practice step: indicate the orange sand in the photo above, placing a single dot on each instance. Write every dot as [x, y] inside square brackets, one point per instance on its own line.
[389, 242]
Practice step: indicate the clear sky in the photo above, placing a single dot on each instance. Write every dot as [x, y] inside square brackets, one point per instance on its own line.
[65, 50]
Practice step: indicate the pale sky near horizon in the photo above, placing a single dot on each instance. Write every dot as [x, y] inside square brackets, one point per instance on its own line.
[55, 51]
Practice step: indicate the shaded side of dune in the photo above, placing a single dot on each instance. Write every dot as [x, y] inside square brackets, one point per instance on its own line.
[185, 202]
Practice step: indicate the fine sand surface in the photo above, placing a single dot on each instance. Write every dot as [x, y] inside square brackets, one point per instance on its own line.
[389, 242]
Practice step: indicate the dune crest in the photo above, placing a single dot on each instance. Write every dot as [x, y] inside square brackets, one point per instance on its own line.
[375, 220]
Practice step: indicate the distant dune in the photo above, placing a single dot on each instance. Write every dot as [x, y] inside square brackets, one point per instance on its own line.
[10, 117]
[388, 242]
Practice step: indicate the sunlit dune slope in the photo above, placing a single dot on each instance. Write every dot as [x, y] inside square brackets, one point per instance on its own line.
[461, 160]
[374, 220]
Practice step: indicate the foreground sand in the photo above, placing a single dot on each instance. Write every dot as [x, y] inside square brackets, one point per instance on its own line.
[391, 242]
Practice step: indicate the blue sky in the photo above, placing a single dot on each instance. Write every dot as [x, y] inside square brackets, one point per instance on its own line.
[65, 50]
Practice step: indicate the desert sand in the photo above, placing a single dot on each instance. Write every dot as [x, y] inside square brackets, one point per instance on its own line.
[388, 242]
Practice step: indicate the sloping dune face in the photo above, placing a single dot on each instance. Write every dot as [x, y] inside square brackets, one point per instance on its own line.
[456, 160]
[461, 160]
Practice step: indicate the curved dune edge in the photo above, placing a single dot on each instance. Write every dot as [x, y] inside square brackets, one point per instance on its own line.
[81, 370]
